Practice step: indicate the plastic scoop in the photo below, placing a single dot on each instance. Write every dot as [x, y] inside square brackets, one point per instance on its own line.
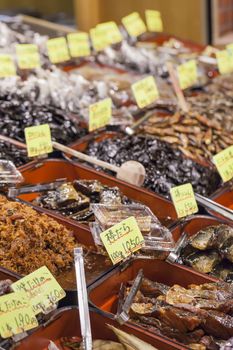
[131, 171]
[216, 207]
[82, 299]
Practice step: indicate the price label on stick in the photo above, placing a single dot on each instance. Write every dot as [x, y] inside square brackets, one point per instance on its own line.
[154, 21]
[28, 56]
[58, 50]
[122, 239]
[100, 114]
[224, 163]
[7, 66]
[225, 61]
[38, 140]
[41, 288]
[113, 32]
[145, 91]
[184, 200]
[134, 24]
[16, 314]
[187, 74]
[79, 44]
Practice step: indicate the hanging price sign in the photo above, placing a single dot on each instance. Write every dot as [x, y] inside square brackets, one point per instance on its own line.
[16, 314]
[7, 66]
[154, 21]
[79, 44]
[28, 56]
[225, 61]
[187, 74]
[41, 288]
[58, 50]
[113, 32]
[38, 140]
[134, 24]
[100, 114]
[224, 163]
[122, 239]
[145, 91]
[184, 200]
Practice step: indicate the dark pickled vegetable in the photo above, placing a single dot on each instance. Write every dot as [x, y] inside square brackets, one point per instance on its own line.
[15, 154]
[165, 166]
[16, 114]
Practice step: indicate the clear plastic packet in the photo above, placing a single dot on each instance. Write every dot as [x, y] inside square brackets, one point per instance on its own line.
[156, 236]
[9, 175]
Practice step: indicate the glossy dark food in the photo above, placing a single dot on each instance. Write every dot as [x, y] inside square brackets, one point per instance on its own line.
[165, 166]
[195, 135]
[73, 199]
[196, 315]
[210, 250]
[15, 154]
[16, 114]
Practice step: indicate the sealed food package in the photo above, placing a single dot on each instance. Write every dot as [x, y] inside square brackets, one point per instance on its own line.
[156, 236]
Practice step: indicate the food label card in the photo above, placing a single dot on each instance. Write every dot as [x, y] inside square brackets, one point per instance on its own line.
[145, 91]
[184, 200]
[187, 74]
[38, 140]
[79, 44]
[122, 239]
[134, 24]
[16, 314]
[225, 61]
[28, 56]
[100, 114]
[224, 163]
[58, 50]
[113, 32]
[7, 66]
[41, 288]
[154, 21]
[99, 38]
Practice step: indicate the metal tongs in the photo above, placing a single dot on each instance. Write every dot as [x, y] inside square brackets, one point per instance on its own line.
[218, 208]
[82, 299]
[14, 192]
[123, 311]
[175, 254]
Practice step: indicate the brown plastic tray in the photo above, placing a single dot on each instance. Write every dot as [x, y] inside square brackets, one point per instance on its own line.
[51, 169]
[66, 324]
[195, 223]
[103, 294]
[223, 196]
[8, 275]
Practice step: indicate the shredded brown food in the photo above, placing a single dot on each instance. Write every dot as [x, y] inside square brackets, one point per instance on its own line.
[29, 240]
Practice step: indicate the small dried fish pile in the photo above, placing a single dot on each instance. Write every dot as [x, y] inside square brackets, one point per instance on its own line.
[216, 105]
[74, 199]
[195, 135]
[199, 316]
[210, 250]
[15, 154]
[165, 167]
[5, 287]
[17, 113]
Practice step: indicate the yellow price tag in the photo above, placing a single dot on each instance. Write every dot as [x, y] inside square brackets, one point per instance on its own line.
[114, 35]
[134, 24]
[225, 61]
[41, 288]
[16, 314]
[145, 91]
[224, 163]
[28, 56]
[184, 200]
[187, 74]
[122, 239]
[154, 21]
[7, 66]
[99, 38]
[79, 44]
[100, 114]
[58, 50]
[38, 140]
